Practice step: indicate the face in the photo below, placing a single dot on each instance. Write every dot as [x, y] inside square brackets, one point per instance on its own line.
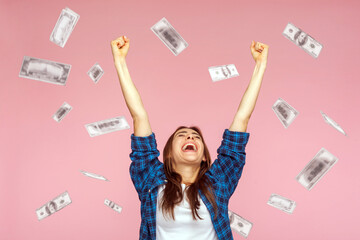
[187, 147]
[301, 38]
[52, 208]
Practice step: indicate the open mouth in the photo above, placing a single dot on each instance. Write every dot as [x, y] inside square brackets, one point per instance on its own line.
[189, 147]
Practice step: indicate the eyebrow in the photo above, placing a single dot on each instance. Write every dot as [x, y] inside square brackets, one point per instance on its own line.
[186, 132]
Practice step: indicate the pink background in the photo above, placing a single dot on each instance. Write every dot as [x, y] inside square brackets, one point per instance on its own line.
[41, 158]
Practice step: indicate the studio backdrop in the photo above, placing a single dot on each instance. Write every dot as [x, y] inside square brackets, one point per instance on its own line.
[65, 127]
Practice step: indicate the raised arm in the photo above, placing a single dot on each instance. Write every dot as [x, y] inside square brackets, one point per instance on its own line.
[120, 48]
[259, 52]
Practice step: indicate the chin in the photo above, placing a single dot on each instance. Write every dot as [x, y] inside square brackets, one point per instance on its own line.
[192, 161]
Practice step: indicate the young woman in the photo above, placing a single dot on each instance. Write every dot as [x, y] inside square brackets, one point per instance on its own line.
[186, 197]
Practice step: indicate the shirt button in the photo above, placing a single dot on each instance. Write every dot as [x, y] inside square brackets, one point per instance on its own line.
[165, 180]
[149, 190]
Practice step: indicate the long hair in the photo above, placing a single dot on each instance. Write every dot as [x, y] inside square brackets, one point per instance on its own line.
[173, 193]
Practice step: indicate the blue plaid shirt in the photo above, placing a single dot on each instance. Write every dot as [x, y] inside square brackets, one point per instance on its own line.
[147, 173]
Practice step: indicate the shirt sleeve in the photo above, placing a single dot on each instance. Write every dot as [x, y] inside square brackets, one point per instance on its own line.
[228, 166]
[144, 157]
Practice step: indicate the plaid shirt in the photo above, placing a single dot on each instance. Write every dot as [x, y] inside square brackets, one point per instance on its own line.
[147, 173]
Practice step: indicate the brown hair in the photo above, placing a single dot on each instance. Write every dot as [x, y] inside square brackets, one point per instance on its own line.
[173, 194]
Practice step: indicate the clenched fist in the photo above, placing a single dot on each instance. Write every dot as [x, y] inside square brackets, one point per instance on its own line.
[259, 52]
[120, 48]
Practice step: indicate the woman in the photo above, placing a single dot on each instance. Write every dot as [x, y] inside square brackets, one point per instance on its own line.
[186, 197]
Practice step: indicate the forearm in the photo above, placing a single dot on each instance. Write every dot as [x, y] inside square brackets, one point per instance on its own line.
[130, 93]
[120, 48]
[248, 101]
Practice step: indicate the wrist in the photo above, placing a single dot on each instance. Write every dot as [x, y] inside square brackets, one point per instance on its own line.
[119, 62]
[261, 64]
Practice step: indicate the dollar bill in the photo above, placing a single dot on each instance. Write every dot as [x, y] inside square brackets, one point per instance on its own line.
[282, 203]
[107, 126]
[303, 40]
[284, 112]
[44, 70]
[64, 26]
[95, 72]
[53, 206]
[332, 123]
[169, 36]
[218, 73]
[113, 205]
[316, 168]
[94, 175]
[239, 224]
[62, 112]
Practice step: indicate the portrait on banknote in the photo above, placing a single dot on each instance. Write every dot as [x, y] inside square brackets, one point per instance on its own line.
[170, 37]
[61, 113]
[283, 110]
[226, 71]
[51, 208]
[300, 38]
[313, 170]
[95, 72]
[40, 69]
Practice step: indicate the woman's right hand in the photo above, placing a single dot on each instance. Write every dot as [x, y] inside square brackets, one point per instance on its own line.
[259, 51]
[120, 48]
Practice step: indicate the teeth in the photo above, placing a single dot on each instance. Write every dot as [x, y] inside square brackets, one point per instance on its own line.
[188, 145]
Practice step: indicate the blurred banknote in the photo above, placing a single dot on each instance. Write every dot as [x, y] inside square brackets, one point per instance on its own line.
[95, 72]
[61, 112]
[169, 36]
[107, 126]
[282, 203]
[316, 168]
[94, 175]
[239, 224]
[303, 40]
[53, 206]
[218, 73]
[64, 26]
[332, 123]
[113, 205]
[44, 70]
[284, 112]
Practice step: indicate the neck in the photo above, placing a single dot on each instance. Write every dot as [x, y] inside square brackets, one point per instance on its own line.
[188, 173]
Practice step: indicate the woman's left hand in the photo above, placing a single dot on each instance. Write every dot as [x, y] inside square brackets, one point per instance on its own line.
[259, 52]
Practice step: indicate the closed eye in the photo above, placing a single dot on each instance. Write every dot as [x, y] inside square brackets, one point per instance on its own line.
[194, 134]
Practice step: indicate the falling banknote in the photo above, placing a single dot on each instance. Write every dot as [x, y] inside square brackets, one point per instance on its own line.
[316, 168]
[218, 73]
[282, 203]
[64, 26]
[94, 175]
[107, 126]
[169, 36]
[113, 205]
[239, 224]
[61, 112]
[95, 72]
[284, 112]
[303, 40]
[53, 206]
[44, 70]
[332, 123]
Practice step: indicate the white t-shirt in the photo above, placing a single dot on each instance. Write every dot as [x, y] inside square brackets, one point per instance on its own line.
[184, 227]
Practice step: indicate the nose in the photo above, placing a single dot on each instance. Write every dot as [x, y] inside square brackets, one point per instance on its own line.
[190, 136]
